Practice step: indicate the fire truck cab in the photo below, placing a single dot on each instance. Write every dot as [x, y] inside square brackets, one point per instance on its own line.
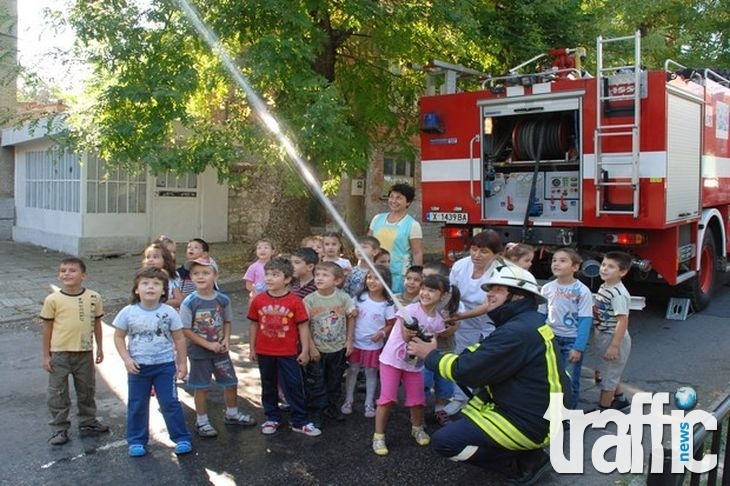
[629, 159]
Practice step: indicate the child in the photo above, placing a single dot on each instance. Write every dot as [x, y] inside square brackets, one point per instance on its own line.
[254, 276]
[374, 320]
[279, 324]
[168, 243]
[156, 356]
[206, 318]
[611, 328]
[315, 242]
[71, 322]
[332, 251]
[303, 261]
[449, 305]
[520, 254]
[411, 285]
[397, 367]
[367, 246]
[331, 320]
[196, 248]
[569, 314]
[382, 257]
[157, 256]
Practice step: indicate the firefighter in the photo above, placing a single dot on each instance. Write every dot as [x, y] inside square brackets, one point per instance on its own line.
[512, 373]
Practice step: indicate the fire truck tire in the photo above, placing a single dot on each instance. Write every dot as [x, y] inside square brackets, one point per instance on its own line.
[702, 286]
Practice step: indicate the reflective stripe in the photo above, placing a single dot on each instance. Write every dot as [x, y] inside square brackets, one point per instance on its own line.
[465, 453]
[498, 427]
[551, 360]
[445, 365]
[473, 347]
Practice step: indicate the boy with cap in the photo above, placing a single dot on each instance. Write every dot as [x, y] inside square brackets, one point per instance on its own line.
[206, 316]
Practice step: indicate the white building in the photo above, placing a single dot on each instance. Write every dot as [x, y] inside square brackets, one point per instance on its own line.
[75, 204]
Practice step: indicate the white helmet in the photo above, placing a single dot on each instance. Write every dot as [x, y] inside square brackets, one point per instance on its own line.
[509, 275]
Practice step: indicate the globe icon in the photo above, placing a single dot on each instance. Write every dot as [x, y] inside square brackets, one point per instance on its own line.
[685, 398]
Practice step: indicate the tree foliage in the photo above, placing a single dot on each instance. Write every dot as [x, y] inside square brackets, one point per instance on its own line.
[335, 73]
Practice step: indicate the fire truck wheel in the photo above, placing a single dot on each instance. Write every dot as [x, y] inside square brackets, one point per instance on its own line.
[703, 284]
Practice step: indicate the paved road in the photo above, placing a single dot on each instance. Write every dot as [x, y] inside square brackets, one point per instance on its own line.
[666, 354]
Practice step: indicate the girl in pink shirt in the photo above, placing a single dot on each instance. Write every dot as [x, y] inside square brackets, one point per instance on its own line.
[397, 367]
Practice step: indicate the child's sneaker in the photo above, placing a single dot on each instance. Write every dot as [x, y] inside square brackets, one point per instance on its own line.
[59, 437]
[441, 417]
[379, 446]
[369, 411]
[183, 447]
[346, 408]
[620, 403]
[453, 407]
[422, 438]
[207, 430]
[269, 427]
[136, 450]
[94, 427]
[308, 430]
[240, 419]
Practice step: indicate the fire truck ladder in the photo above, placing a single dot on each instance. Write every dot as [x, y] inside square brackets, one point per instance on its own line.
[606, 98]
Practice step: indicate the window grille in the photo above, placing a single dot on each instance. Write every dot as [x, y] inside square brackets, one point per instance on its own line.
[52, 180]
[114, 190]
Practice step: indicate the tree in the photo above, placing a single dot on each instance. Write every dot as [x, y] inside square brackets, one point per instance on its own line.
[335, 73]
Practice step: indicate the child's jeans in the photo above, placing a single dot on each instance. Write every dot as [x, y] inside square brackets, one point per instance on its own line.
[323, 381]
[162, 377]
[442, 387]
[565, 345]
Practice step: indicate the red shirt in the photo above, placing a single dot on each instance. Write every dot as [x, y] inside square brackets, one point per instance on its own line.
[278, 319]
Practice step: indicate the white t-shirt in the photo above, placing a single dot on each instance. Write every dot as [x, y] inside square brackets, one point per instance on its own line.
[473, 329]
[371, 317]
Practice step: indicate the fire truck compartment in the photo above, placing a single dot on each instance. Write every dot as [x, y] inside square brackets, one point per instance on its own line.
[530, 158]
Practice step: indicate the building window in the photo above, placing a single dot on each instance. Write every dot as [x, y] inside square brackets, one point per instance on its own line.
[396, 169]
[113, 190]
[172, 185]
[52, 180]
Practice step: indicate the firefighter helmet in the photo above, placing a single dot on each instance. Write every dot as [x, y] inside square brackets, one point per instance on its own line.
[510, 275]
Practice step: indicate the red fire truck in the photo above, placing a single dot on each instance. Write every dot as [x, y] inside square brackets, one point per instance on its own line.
[629, 159]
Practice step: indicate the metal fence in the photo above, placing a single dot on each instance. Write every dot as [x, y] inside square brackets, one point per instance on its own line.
[717, 440]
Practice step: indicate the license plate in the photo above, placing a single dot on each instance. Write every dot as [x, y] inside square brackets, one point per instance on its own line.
[454, 218]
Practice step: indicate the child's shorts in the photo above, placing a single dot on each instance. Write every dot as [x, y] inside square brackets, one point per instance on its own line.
[611, 371]
[221, 367]
[390, 379]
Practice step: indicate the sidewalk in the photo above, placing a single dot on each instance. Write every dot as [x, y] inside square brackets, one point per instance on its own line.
[32, 271]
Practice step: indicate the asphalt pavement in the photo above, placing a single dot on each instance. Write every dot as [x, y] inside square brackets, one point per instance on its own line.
[239, 455]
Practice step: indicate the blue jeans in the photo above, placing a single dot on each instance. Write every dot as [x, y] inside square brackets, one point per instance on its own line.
[162, 376]
[565, 345]
[286, 368]
[442, 387]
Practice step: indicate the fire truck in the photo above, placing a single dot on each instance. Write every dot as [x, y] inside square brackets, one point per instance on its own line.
[625, 159]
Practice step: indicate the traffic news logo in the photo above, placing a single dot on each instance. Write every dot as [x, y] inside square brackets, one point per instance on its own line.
[627, 442]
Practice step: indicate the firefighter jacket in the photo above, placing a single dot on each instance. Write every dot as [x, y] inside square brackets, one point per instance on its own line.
[512, 373]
